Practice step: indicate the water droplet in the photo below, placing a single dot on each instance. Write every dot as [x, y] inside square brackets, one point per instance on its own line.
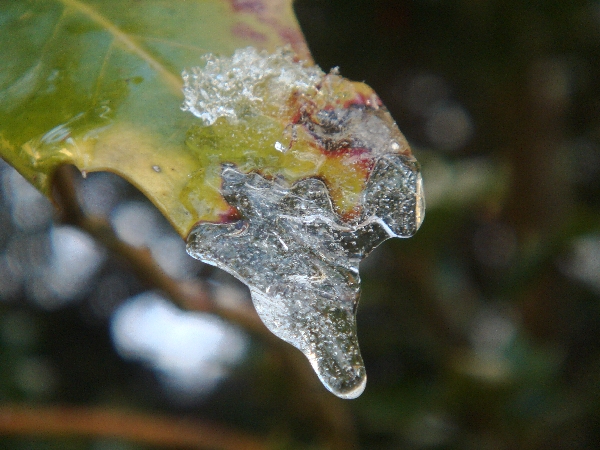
[279, 147]
[156, 169]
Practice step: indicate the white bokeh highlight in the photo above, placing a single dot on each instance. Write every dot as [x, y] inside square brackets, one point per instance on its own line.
[190, 352]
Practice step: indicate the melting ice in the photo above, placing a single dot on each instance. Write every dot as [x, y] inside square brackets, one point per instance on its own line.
[293, 249]
[301, 261]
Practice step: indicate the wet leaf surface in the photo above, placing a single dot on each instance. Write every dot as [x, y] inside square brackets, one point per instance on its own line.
[97, 84]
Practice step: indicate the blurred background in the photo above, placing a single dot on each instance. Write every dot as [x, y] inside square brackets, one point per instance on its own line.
[481, 332]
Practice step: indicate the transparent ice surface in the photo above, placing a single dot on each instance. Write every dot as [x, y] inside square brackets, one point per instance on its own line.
[301, 260]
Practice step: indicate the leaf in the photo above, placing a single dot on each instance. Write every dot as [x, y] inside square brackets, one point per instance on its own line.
[97, 84]
[273, 170]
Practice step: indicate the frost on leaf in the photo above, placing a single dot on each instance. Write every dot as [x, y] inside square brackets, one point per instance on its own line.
[243, 84]
[315, 174]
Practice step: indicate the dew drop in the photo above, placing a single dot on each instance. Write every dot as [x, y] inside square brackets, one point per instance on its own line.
[279, 147]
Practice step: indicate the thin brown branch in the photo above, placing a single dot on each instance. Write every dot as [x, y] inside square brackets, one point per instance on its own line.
[188, 295]
[61, 421]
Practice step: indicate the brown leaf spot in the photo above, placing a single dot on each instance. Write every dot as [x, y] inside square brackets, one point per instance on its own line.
[251, 6]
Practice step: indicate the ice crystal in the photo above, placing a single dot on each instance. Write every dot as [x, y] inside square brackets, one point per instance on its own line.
[238, 86]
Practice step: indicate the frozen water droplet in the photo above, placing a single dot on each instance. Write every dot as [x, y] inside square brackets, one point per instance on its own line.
[70, 140]
[220, 89]
[301, 261]
[279, 147]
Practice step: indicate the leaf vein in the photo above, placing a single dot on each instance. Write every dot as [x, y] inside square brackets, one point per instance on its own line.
[172, 80]
[102, 71]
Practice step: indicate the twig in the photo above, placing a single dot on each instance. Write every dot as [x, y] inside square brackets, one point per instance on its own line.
[153, 429]
[188, 295]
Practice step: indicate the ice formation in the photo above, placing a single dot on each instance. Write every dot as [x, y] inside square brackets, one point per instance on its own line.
[305, 212]
[238, 86]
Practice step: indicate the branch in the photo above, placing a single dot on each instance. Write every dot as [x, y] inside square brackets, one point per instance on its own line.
[188, 295]
[153, 429]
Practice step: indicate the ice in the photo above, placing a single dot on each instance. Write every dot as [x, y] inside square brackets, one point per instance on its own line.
[315, 174]
[301, 261]
[356, 127]
[239, 86]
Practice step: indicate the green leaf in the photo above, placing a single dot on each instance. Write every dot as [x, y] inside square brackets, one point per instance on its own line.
[97, 84]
